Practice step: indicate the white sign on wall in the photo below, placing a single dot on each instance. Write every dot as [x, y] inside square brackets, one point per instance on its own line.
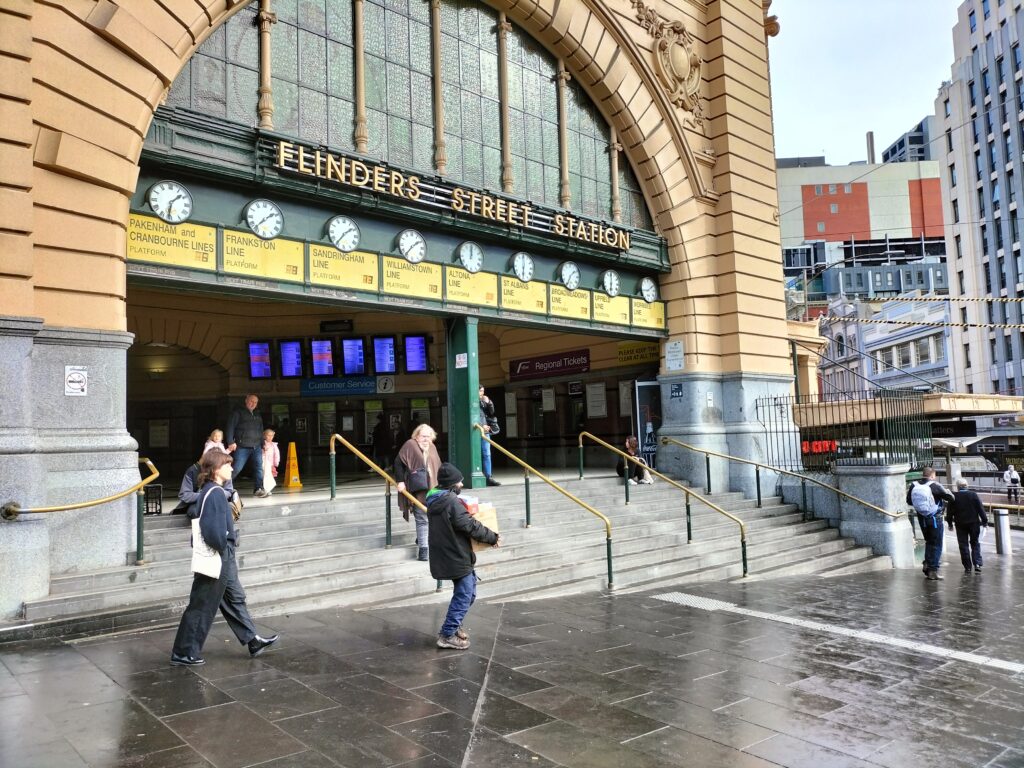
[674, 360]
[547, 399]
[625, 399]
[76, 380]
[597, 401]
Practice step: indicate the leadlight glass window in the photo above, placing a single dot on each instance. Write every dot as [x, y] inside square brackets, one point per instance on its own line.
[588, 136]
[222, 78]
[634, 207]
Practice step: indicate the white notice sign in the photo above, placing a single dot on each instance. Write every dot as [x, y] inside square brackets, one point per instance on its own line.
[76, 380]
[597, 401]
[625, 399]
[674, 360]
[462, 360]
[547, 399]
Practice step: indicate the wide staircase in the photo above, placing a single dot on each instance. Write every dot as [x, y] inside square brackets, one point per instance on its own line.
[300, 554]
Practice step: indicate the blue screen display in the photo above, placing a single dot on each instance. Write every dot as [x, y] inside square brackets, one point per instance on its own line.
[416, 354]
[323, 357]
[384, 354]
[352, 357]
[291, 359]
[259, 360]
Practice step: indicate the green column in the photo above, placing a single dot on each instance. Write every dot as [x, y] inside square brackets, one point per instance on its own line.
[464, 400]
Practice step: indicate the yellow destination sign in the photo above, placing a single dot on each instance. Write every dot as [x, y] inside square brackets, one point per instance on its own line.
[356, 270]
[420, 280]
[182, 245]
[648, 315]
[631, 352]
[611, 310]
[468, 288]
[566, 303]
[524, 297]
[246, 254]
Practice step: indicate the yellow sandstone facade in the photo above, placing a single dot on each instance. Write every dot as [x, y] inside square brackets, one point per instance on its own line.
[683, 84]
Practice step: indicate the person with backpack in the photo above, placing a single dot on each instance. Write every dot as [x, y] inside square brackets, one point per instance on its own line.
[968, 513]
[926, 496]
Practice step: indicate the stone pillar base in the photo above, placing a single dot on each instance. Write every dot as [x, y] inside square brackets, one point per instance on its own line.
[884, 487]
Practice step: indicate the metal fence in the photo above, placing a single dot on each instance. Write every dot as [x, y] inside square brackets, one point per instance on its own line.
[871, 428]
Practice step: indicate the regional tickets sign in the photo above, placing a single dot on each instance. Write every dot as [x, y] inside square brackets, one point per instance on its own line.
[566, 303]
[648, 315]
[524, 297]
[422, 280]
[183, 245]
[468, 288]
[329, 266]
[246, 254]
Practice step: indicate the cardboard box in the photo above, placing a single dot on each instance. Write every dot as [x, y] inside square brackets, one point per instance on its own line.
[487, 515]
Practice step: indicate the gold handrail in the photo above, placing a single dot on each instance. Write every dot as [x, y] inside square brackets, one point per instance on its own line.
[689, 492]
[376, 468]
[11, 509]
[561, 490]
[868, 504]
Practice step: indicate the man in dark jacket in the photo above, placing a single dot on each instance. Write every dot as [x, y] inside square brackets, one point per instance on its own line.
[967, 511]
[926, 496]
[244, 438]
[451, 551]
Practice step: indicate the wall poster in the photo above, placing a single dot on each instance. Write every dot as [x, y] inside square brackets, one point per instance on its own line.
[648, 419]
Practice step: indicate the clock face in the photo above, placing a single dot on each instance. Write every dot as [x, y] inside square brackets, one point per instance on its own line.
[170, 201]
[344, 233]
[264, 219]
[610, 282]
[569, 273]
[649, 290]
[522, 265]
[471, 256]
[412, 245]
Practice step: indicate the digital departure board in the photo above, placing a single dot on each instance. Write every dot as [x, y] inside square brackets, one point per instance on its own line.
[416, 354]
[259, 360]
[384, 354]
[323, 356]
[291, 358]
[352, 357]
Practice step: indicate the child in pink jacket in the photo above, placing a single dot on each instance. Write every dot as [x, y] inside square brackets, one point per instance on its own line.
[271, 458]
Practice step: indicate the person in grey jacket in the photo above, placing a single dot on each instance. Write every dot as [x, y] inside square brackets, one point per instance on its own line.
[244, 438]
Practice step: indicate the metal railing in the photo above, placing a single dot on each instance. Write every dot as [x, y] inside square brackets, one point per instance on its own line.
[11, 510]
[388, 482]
[670, 481]
[527, 469]
[757, 475]
[997, 505]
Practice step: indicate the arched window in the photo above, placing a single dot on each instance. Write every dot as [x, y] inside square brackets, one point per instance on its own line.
[313, 91]
[840, 346]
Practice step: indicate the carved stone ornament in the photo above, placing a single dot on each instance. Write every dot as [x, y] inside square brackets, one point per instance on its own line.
[771, 23]
[677, 64]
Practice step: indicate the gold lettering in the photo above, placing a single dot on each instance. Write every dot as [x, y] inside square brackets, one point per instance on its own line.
[474, 202]
[359, 167]
[458, 199]
[526, 215]
[319, 163]
[378, 179]
[559, 224]
[395, 183]
[334, 169]
[592, 228]
[303, 163]
[414, 187]
[487, 207]
[501, 209]
[623, 240]
[285, 150]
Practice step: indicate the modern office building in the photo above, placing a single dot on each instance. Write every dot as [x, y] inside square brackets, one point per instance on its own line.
[922, 142]
[859, 230]
[980, 109]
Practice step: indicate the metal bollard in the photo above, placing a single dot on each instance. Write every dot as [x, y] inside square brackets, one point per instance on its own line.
[1004, 545]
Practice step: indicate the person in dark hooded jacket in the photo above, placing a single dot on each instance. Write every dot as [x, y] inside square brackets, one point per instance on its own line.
[451, 528]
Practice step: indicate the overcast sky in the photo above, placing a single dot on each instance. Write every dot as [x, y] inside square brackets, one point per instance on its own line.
[841, 68]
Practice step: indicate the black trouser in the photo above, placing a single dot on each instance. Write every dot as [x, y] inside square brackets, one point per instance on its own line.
[970, 549]
[1013, 494]
[207, 595]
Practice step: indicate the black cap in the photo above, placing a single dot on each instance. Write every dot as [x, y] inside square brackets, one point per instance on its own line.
[448, 476]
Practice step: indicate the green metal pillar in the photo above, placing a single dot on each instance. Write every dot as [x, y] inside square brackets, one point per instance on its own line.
[464, 399]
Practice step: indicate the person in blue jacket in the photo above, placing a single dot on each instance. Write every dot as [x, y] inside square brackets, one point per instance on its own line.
[218, 530]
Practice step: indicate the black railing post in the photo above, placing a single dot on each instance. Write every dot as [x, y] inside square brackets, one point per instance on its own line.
[526, 482]
[626, 469]
[803, 493]
[757, 477]
[387, 513]
[689, 520]
[707, 471]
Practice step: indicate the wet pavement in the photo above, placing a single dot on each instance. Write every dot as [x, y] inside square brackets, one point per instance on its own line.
[878, 669]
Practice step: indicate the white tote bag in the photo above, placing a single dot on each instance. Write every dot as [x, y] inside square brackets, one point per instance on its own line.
[205, 559]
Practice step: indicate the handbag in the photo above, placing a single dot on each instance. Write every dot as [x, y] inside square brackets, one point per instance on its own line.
[418, 480]
[205, 559]
[493, 426]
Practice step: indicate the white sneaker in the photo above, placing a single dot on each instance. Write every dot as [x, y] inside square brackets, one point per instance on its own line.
[632, 481]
